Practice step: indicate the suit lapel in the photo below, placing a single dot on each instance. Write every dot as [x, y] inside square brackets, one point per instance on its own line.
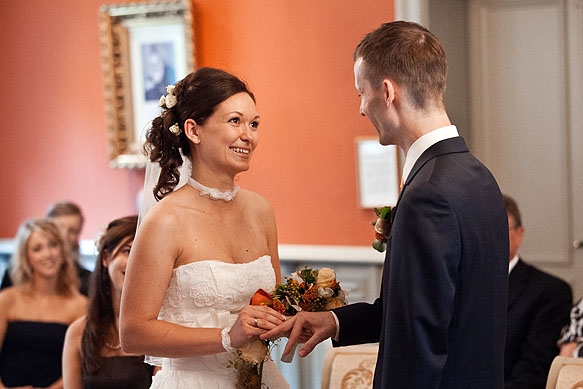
[446, 146]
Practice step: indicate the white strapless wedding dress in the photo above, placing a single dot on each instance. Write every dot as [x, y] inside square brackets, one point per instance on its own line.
[210, 294]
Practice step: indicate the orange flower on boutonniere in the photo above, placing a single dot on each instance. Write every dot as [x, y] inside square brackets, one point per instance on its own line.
[382, 227]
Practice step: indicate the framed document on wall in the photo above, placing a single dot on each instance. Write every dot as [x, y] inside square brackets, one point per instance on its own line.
[378, 173]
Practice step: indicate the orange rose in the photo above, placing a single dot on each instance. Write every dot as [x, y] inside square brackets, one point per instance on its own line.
[261, 297]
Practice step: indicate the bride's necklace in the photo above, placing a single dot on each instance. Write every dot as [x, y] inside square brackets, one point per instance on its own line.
[213, 193]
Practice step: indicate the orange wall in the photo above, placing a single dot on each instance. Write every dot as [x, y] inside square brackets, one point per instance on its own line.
[296, 57]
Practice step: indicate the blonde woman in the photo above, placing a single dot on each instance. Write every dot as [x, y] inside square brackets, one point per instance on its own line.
[36, 311]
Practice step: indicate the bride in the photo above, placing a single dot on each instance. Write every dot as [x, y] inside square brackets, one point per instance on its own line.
[204, 249]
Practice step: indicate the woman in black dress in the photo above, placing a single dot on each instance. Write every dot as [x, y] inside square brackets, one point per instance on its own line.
[92, 356]
[36, 311]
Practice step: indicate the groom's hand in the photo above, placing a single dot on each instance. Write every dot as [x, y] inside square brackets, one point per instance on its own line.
[309, 328]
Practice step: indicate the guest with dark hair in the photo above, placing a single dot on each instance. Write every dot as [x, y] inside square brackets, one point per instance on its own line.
[92, 356]
[69, 219]
[538, 307]
[36, 311]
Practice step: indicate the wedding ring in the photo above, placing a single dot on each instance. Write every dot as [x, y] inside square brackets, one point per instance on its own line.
[255, 321]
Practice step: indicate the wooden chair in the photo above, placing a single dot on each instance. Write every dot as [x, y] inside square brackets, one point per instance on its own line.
[350, 367]
[565, 373]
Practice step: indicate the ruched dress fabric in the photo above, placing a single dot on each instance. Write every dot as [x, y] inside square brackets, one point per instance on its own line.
[31, 353]
[120, 372]
[210, 294]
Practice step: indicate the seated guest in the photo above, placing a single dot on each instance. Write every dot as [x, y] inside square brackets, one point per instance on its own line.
[36, 311]
[538, 308]
[571, 342]
[92, 356]
[69, 220]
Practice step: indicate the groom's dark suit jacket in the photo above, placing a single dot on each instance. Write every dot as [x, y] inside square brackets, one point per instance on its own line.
[441, 315]
[539, 306]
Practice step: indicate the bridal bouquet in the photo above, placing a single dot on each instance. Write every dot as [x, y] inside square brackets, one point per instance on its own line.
[308, 290]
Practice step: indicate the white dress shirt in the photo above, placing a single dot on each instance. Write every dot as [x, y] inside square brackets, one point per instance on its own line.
[512, 263]
[425, 142]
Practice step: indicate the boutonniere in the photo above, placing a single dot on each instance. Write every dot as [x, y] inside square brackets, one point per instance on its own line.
[382, 227]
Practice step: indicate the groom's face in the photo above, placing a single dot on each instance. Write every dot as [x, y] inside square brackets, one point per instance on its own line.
[373, 104]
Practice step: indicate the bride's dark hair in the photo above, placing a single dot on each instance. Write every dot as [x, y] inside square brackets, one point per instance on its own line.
[197, 96]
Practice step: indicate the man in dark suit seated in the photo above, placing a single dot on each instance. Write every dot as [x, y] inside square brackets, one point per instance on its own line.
[69, 220]
[538, 308]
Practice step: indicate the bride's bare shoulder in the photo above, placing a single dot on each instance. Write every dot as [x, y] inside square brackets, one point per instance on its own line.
[163, 214]
[254, 198]
[258, 204]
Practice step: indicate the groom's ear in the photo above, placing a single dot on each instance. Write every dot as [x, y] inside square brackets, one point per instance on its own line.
[191, 130]
[388, 91]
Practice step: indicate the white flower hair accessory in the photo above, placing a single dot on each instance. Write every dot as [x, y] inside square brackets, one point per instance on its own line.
[175, 129]
[169, 100]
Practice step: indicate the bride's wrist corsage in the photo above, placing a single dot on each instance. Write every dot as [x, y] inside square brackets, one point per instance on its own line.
[226, 340]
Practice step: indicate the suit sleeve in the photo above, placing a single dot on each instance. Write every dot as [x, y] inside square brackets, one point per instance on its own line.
[359, 323]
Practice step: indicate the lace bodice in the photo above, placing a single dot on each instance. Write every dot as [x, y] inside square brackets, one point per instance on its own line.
[210, 294]
[210, 286]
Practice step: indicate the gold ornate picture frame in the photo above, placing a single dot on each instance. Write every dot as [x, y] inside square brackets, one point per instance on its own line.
[144, 47]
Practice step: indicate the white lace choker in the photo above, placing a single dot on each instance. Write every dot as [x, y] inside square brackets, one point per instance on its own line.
[213, 193]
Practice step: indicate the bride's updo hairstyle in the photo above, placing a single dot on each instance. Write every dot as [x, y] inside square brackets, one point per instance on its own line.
[197, 96]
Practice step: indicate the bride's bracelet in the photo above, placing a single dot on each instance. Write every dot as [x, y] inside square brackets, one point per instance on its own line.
[226, 340]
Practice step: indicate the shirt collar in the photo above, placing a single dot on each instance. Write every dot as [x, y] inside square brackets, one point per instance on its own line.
[425, 142]
[512, 263]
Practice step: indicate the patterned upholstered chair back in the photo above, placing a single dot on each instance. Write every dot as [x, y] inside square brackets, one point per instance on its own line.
[566, 373]
[349, 367]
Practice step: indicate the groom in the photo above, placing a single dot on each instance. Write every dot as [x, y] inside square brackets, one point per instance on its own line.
[441, 315]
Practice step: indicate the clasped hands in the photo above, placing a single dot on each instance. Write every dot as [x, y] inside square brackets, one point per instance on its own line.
[253, 321]
[306, 328]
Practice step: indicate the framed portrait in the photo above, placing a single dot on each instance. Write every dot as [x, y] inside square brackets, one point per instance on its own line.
[145, 47]
[378, 172]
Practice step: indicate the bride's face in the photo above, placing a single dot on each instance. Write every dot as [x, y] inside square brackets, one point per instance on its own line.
[228, 138]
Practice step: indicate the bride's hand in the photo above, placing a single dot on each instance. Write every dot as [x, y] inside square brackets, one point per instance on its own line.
[253, 321]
